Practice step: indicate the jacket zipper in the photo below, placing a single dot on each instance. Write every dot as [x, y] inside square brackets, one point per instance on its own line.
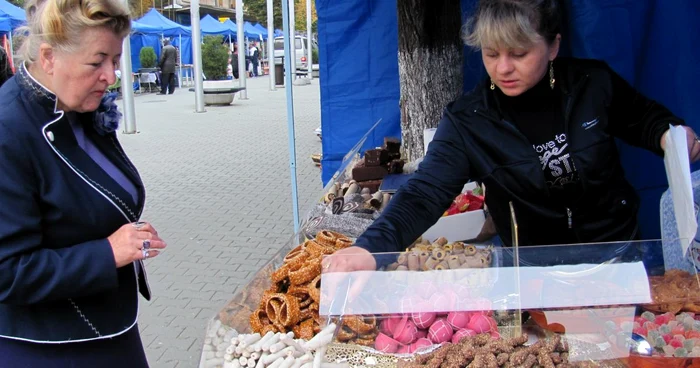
[567, 117]
[569, 215]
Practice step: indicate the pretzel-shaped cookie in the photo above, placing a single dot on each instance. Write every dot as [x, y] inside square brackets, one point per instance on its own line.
[359, 326]
[306, 273]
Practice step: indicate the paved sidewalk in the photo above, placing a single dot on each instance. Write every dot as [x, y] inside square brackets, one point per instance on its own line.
[219, 192]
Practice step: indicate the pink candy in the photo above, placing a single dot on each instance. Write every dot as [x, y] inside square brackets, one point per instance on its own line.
[424, 319]
[481, 323]
[388, 325]
[421, 344]
[408, 334]
[459, 335]
[386, 344]
[458, 320]
[440, 332]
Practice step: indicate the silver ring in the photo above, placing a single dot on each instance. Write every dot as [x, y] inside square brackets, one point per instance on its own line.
[144, 252]
[138, 224]
[146, 244]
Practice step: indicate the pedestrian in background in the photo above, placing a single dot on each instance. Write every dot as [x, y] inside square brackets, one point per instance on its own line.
[168, 61]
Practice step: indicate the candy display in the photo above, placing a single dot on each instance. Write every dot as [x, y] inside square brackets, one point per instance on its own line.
[441, 255]
[484, 351]
[674, 292]
[291, 303]
[669, 335]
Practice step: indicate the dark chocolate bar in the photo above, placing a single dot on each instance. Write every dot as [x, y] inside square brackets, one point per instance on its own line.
[364, 173]
[393, 145]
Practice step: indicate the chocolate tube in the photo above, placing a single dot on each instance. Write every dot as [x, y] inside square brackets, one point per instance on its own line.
[453, 262]
[448, 247]
[366, 198]
[462, 258]
[344, 188]
[438, 254]
[413, 262]
[402, 268]
[376, 200]
[470, 250]
[352, 189]
[386, 197]
[392, 266]
[441, 240]
[365, 191]
[422, 258]
[430, 264]
[403, 259]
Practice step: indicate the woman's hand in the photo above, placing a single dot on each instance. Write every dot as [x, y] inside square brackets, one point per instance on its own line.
[133, 242]
[347, 260]
[693, 143]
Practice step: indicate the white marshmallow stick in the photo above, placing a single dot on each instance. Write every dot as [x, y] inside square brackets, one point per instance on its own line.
[308, 365]
[319, 341]
[302, 360]
[258, 345]
[261, 362]
[251, 363]
[277, 347]
[229, 364]
[230, 350]
[252, 339]
[318, 359]
[289, 341]
[276, 363]
[271, 341]
[270, 358]
[243, 361]
[288, 362]
[236, 363]
[246, 353]
[228, 357]
[238, 350]
[254, 355]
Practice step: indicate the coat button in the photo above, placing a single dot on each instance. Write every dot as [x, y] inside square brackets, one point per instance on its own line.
[49, 135]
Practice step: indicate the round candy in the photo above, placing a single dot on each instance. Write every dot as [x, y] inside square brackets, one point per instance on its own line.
[386, 344]
[421, 344]
[440, 332]
[481, 323]
[458, 320]
[459, 335]
[405, 349]
[422, 333]
[426, 289]
[388, 325]
[408, 334]
[423, 319]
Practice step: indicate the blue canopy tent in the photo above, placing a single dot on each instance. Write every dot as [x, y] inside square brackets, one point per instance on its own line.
[652, 46]
[5, 24]
[279, 33]
[262, 30]
[16, 14]
[251, 32]
[138, 27]
[211, 26]
[167, 27]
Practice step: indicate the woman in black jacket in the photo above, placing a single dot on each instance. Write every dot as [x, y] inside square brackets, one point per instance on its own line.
[5, 68]
[539, 133]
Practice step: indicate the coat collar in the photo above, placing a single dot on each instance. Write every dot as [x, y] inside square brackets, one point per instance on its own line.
[59, 135]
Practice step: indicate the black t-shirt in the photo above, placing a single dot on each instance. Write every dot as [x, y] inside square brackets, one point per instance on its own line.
[538, 115]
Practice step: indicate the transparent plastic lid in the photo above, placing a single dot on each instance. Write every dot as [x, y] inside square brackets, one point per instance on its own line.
[544, 277]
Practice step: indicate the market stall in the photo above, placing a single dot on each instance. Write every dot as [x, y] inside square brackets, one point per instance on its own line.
[444, 302]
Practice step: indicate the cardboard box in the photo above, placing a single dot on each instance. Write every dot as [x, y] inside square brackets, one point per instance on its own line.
[463, 226]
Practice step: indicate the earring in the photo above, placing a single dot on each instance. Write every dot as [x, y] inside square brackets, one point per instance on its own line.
[493, 86]
[551, 74]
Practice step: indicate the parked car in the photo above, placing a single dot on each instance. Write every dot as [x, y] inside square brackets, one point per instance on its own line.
[301, 46]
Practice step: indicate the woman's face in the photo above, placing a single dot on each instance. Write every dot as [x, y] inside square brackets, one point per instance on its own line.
[516, 70]
[80, 79]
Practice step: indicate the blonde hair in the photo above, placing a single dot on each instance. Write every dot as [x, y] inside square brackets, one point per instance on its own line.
[512, 23]
[61, 23]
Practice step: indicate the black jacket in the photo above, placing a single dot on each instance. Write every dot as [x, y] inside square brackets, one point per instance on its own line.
[474, 142]
[5, 68]
[58, 278]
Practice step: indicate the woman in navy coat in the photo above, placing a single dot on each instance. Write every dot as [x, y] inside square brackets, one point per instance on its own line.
[71, 246]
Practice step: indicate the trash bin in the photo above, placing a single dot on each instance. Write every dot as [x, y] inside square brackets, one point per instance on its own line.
[279, 71]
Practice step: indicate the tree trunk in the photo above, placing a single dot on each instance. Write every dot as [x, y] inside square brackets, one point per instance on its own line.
[430, 66]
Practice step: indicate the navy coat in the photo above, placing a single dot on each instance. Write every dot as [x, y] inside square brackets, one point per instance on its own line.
[58, 277]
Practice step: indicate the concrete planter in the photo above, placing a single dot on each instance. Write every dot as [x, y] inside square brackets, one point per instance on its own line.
[218, 92]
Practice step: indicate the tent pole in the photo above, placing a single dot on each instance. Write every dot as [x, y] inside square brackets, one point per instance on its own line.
[241, 50]
[12, 53]
[271, 44]
[128, 87]
[288, 47]
[197, 57]
[179, 78]
[293, 33]
[309, 58]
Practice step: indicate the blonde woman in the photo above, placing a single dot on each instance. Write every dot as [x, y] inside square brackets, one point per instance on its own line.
[71, 244]
[539, 132]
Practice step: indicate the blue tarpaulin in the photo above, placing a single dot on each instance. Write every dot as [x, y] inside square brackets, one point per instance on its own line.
[138, 41]
[211, 26]
[167, 27]
[186, 49]
[649, 43]
[5, 24]
[262, 30]
[137, 27]
[251, 32]
[16, 14]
